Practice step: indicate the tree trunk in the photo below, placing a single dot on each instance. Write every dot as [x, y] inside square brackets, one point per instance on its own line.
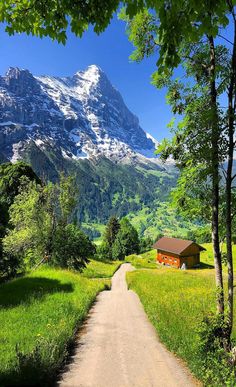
[228, 189]
[215, 180]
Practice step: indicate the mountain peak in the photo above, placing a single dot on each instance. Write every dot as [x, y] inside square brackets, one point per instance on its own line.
[20, 81]
[83, 115]
[16, 72]
[91, 69]
[94, 68]
[92, 74]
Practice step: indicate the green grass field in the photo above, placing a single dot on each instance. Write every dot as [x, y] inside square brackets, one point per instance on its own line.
[39, 315]
[143, 261]
[99, 269]
[176, 302]
[207, 256]
[148, 260]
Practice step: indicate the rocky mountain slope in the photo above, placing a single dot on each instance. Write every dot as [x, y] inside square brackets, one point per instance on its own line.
[83, 115]
[81, 125]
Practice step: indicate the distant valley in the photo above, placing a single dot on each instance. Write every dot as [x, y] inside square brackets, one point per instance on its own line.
[81, 125]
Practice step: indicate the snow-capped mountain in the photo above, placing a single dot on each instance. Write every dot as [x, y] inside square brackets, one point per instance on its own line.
[80, 125]
[82, 116]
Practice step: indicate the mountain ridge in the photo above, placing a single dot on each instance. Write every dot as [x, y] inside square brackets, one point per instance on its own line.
[80, 125]
[84, 111]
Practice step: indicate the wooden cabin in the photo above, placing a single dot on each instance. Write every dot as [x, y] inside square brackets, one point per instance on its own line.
[179, 253]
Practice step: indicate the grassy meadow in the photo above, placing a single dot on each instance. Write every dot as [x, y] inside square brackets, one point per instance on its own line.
[41, 312]
[99, 269]
[207, 256]
[39, 315]
[143, 261]
[176, 302]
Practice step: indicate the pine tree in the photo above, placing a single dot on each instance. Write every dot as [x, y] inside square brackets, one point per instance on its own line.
[126, 242]
[112, 229]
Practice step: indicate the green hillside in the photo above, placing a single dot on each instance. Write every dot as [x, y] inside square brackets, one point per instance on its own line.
[138, 189]
[158, 219]
[106, 188]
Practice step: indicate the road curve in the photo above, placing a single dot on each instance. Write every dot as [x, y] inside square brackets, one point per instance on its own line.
[119, 346]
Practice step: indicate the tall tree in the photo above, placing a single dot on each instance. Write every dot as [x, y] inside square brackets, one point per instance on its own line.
[126, 242]
[10, 183]
[11, 178]
[231, 91]
[71, 247]
[30, 224]
[111, 231]
[67, 197]
[36, 215]
[167, 31]
[215, 137]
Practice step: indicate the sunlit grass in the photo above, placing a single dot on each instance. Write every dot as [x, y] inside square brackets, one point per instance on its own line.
[39, 315]
[207, 256]
[145, 260]
[99, 269]
[176, 302]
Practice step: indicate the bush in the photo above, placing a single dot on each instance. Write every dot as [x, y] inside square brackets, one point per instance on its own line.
[71, 248]
[146, 244]
[158, 236]
[9, 264]
[38, 363]
[200, 235]
[217, 368]
[104, 251]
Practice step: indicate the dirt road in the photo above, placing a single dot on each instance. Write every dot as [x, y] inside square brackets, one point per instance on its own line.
[119, 347]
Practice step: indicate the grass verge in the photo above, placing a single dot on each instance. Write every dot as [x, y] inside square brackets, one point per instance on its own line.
[207, 256]
[143, 261]
[101, 269]
[176, 302]
[38, 317]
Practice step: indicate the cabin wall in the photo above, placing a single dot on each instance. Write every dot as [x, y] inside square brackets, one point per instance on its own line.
[190, 261]
[166, 258]
[171, 259]
[191, 250]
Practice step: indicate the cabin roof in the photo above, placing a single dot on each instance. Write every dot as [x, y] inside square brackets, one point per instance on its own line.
[174, 245]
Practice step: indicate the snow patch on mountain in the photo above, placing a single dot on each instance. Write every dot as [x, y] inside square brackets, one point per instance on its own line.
[83, 116]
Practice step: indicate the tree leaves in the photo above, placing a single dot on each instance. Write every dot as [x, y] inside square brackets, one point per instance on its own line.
[52, 18]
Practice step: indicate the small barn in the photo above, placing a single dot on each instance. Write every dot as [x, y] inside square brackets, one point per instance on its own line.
[179, 253]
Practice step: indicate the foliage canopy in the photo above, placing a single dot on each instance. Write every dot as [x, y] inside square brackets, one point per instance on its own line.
[53, 18]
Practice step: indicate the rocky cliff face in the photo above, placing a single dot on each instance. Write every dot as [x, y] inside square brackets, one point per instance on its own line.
[81, 125]
[82, 115]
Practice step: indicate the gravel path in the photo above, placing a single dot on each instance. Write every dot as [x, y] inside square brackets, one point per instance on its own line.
[119, 347]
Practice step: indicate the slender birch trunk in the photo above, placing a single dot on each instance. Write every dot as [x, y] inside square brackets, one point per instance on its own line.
[228, 189]
[215, 181]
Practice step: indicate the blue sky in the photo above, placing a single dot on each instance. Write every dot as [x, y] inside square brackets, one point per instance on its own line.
[110, 51]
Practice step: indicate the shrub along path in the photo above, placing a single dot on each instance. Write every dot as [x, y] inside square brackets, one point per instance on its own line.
[119, 346]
